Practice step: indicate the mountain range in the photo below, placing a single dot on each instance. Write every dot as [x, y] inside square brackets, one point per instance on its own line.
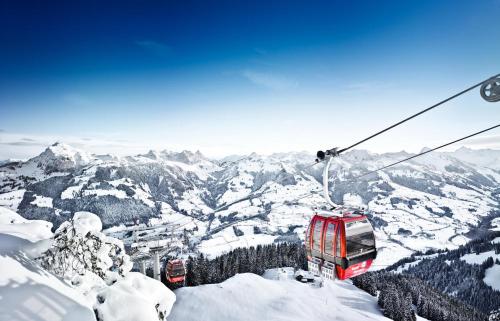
[436, 201]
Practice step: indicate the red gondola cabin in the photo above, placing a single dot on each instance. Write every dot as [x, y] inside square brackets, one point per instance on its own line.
[340, 243]
[175, 271]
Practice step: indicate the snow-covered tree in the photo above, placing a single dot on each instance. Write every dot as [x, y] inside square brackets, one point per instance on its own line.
[98, 267]
[80, 246]
[494, 315]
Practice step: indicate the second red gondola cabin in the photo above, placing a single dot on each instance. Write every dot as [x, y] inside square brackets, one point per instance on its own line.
[175, 271]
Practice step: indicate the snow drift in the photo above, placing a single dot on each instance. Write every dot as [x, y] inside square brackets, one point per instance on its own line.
[30, 292]
[13, 224]
[251, 297]
[27, 292]
[136, 297]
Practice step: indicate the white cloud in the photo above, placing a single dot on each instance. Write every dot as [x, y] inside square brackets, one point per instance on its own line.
[269, 80]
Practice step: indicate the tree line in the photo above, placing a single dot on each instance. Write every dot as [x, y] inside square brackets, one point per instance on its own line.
[201, 270]
[449, 273]
[401, 296]
[422, 289]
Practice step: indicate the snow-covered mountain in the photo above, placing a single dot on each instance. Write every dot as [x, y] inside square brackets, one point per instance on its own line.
[430, 202]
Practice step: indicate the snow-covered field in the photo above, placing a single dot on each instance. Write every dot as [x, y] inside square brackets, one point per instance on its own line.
[419, 258]
[226, 240]
[492, 277]
[13, 224]
[12, 199]
[249, 297]
[479, 258]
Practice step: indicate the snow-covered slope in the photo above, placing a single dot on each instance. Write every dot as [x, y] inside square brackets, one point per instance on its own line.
[251, 297]
[13, 224]
[429, 202]
[28, 292]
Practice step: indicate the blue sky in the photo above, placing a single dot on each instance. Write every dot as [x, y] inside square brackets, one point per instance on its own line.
[232, 77]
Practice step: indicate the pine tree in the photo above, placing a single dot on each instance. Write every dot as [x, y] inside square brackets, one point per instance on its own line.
[190, 278]
[408, 313]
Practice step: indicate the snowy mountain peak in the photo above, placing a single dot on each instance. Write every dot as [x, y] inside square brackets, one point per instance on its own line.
[484, 157]
[107, 157]
[359, 155]
[463, 149]
[154, 155]
[195, 157]
[59, 148]
[402, 154]
[185, 156]
[61, 157]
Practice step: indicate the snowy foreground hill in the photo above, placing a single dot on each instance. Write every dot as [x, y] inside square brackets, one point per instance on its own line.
[30, 290]
[435, 201]
[274, 297]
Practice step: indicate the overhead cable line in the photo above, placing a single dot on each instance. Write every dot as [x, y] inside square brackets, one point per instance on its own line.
[425, 152]
[401, 161]
[490, 81]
